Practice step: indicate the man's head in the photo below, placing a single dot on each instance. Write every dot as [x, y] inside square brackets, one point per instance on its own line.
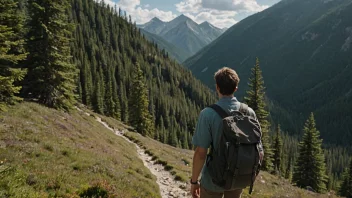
[226, 81]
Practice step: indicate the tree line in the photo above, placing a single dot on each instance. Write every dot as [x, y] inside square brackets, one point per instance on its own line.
[305, 165]
[59, 53]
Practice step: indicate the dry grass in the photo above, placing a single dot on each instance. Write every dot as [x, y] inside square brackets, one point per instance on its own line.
[47, 153]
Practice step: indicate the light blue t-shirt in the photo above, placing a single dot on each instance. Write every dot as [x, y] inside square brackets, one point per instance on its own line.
[209, 126]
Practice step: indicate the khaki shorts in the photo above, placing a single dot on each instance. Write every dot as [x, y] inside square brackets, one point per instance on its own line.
[227, 194]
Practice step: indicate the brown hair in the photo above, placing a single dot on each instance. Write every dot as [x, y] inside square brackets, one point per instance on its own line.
[227, 80]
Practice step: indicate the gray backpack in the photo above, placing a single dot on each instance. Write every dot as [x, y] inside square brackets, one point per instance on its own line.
[234, 163]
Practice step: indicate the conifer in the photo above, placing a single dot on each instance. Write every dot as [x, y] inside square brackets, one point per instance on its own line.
[256, 100]
[346, 186]
[11, 52]
[51, 74]
[310, 168]
[278, 151]
[139, 116]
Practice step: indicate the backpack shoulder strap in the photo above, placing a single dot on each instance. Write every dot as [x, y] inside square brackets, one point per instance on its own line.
[244, 109]
[222, 113]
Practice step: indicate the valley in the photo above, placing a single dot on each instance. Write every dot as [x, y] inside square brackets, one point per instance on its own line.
[92, 104]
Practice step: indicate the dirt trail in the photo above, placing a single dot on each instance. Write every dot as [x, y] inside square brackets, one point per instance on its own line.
[169, 188]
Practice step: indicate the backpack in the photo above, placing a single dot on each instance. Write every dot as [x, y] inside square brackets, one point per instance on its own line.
[234, 162]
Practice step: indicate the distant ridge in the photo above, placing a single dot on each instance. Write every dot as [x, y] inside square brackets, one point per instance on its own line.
[183, 33]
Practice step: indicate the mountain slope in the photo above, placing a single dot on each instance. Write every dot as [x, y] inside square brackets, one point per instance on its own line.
[184, 33]
[48, 153]
[106, 48]
[305, 52]
[173, 51]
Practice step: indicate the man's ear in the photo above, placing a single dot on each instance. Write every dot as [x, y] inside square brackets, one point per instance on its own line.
[217, 87]
[236, 89]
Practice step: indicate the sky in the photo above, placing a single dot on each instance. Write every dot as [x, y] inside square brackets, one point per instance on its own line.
[220, 13]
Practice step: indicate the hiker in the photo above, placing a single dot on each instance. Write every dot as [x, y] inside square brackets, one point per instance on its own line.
[242, 172]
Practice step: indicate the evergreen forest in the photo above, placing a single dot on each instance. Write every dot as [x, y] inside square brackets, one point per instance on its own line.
[63, 52]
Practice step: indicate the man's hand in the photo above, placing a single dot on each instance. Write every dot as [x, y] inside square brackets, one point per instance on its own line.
[195, 190]
[261, 156]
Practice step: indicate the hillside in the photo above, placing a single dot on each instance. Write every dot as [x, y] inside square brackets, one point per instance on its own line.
[305, 53]
[184, 33]
[48, 153]
[106, 49]
[174, 52]
[179, 162]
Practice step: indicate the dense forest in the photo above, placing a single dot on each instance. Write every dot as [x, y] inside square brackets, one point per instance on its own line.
[81, 51]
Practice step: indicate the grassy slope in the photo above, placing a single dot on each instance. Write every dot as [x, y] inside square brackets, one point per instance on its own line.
[266, 185]
[44, 152]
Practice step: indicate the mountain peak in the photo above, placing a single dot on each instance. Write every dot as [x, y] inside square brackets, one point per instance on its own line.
[156, 19]
[206, 24]
[182, 17]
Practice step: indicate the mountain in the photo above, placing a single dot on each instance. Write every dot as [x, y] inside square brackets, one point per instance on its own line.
[107, 58]
[184, 33]
[174, 52]
[154, 26]
[305, 52]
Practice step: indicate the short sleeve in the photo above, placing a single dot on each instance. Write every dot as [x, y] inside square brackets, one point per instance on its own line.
[252, 113]
[202, 136]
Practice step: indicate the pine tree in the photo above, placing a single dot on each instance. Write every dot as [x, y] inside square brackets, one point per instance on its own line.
[288, 172]
[51, 75]
[310, 168]
[346, 186]
[185, 141]
[11, 52]
[139, 116]
[255, 99]
[278, 151]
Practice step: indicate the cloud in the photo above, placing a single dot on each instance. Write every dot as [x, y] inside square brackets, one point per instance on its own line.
[234, 5]
[220, 13]
[139, 14]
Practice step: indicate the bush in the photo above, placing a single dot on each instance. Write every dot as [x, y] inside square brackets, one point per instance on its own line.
[98, 190]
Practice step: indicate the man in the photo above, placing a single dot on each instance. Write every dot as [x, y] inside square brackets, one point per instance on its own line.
[208, 130]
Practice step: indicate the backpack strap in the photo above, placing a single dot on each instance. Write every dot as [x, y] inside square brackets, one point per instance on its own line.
[244, 109]
[222, 113]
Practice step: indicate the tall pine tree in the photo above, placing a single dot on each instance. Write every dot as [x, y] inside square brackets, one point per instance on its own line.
[11, 51]
[278, 151]
[310, 169]
[346, 186]
[288, 171]
[51, 74]
[139, 116]
[255, 99]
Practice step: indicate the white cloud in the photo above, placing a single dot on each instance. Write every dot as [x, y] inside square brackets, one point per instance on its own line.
[220, 13]
[233, 5]
[139, 14]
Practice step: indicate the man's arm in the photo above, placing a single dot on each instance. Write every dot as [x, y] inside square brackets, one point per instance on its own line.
[199, 158]
[260, 145]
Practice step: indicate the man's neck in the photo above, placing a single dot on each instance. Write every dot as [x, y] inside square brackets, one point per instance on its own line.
[226, 96]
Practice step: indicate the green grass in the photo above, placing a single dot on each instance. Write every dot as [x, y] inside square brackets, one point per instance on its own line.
[175, 160]
[48, 153]
[170, 157]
